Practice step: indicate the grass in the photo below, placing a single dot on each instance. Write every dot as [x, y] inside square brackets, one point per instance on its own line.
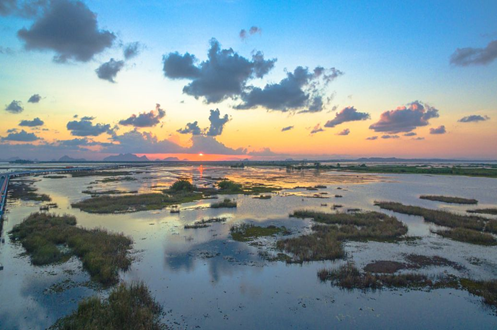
[485, 289]
[183, 186]
[326, 240]
[134, 203]
[248, 232]
[117, 179]
[54, 177]
[263, 197]
[26, 192]
[449, 199]
[227, 187]
[468, 236]
[441, 218]
[103, 254]
[226, 203]
[128, 307]
[491, 211]
[108, 192]
[81, 174]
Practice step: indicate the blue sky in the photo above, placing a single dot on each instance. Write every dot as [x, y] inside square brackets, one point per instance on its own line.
[391, 53]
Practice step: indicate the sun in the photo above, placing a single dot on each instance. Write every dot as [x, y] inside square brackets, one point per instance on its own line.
[200, 154]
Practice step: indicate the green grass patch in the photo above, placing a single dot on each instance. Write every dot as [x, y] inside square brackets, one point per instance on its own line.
[248, 232]
[468, 236]
[81, 174]
[103, 254]
[449, 199]
[26, 192]
[491, 211]
[226, 203]
[127, 307]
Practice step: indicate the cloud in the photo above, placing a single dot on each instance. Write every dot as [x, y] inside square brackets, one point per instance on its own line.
[344, 132]
[405, 118]
[35, 98]
[32, 123]
[475, 56]
[6, 50]
[109, 70]
[300, 90]
[138, 142]
[21, 136]
[191, 128]
[145, 119]
[70, 29]
[386, 136]
[223, 75]
[253, 30]
[346, 115]
[131, 50]
[317, 129]
[77, 142]
[419, 138]
[27, 8]
[410, 134]
[217, 123]
[284, 129]
[473, 119]
[372, 138]
[14, 107]
[438, 130]
[263, 152]
[209, 145]
[85, 127]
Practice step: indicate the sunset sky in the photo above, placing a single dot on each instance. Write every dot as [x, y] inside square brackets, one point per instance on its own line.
[248, 79]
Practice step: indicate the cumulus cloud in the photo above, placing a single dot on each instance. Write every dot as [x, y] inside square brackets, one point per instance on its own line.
[7, 7]
[191, 128]
[70, 29]
[264, 152]
[317, 129]
[21, 136]
[372, 138]
[253, 30]
[387, 136]
[35, 98]
[223, 75]
[109, 70]
[145, 119]
[131, 50]
[405, 118]
[208, 144]
[26, 8]
[14, 107]
[217, 123]
[138, 142]
[438, 130]
[76, 142]
[32, 123]
[473, 119]
[85, 127]
[301, 90]
[344, 132]
[284, 129]
[346, 115]
[475, 56]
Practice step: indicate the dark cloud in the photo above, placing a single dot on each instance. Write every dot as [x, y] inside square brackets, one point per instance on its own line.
[223, 75]
[253, 30]
[32, 123]
[70, 29]
[145, 119]
[475, 56]
[85, 127]
[372, 138]
[284, 129]
[419, 138]
[35, 98]
[83, 142]
[21, 136]
[473, 119]
[131, 50]
[410, 134]
[209, 145]
[344, 132]
[346, 115]
[405, 118]
[317, 129]
[438, 130]
[14, 107]
[301, 88]
[217, 123]
[7, 7]
[109, 70]
[387, 136]
[191, 128]
[26, 8]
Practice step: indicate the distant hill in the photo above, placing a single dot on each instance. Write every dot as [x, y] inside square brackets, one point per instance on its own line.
[126, 158]
[68, 159]
[170, 159]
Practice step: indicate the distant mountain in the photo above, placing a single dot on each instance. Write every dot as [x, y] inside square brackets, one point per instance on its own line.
[68, 159]
[171, 159]
[126, 158]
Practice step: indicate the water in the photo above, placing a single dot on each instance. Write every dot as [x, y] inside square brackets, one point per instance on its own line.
[204, 279]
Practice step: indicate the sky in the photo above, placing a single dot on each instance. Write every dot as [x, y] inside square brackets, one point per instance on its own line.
[224, 80]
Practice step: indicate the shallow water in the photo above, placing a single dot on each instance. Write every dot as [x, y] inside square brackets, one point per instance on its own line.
[204, 279]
